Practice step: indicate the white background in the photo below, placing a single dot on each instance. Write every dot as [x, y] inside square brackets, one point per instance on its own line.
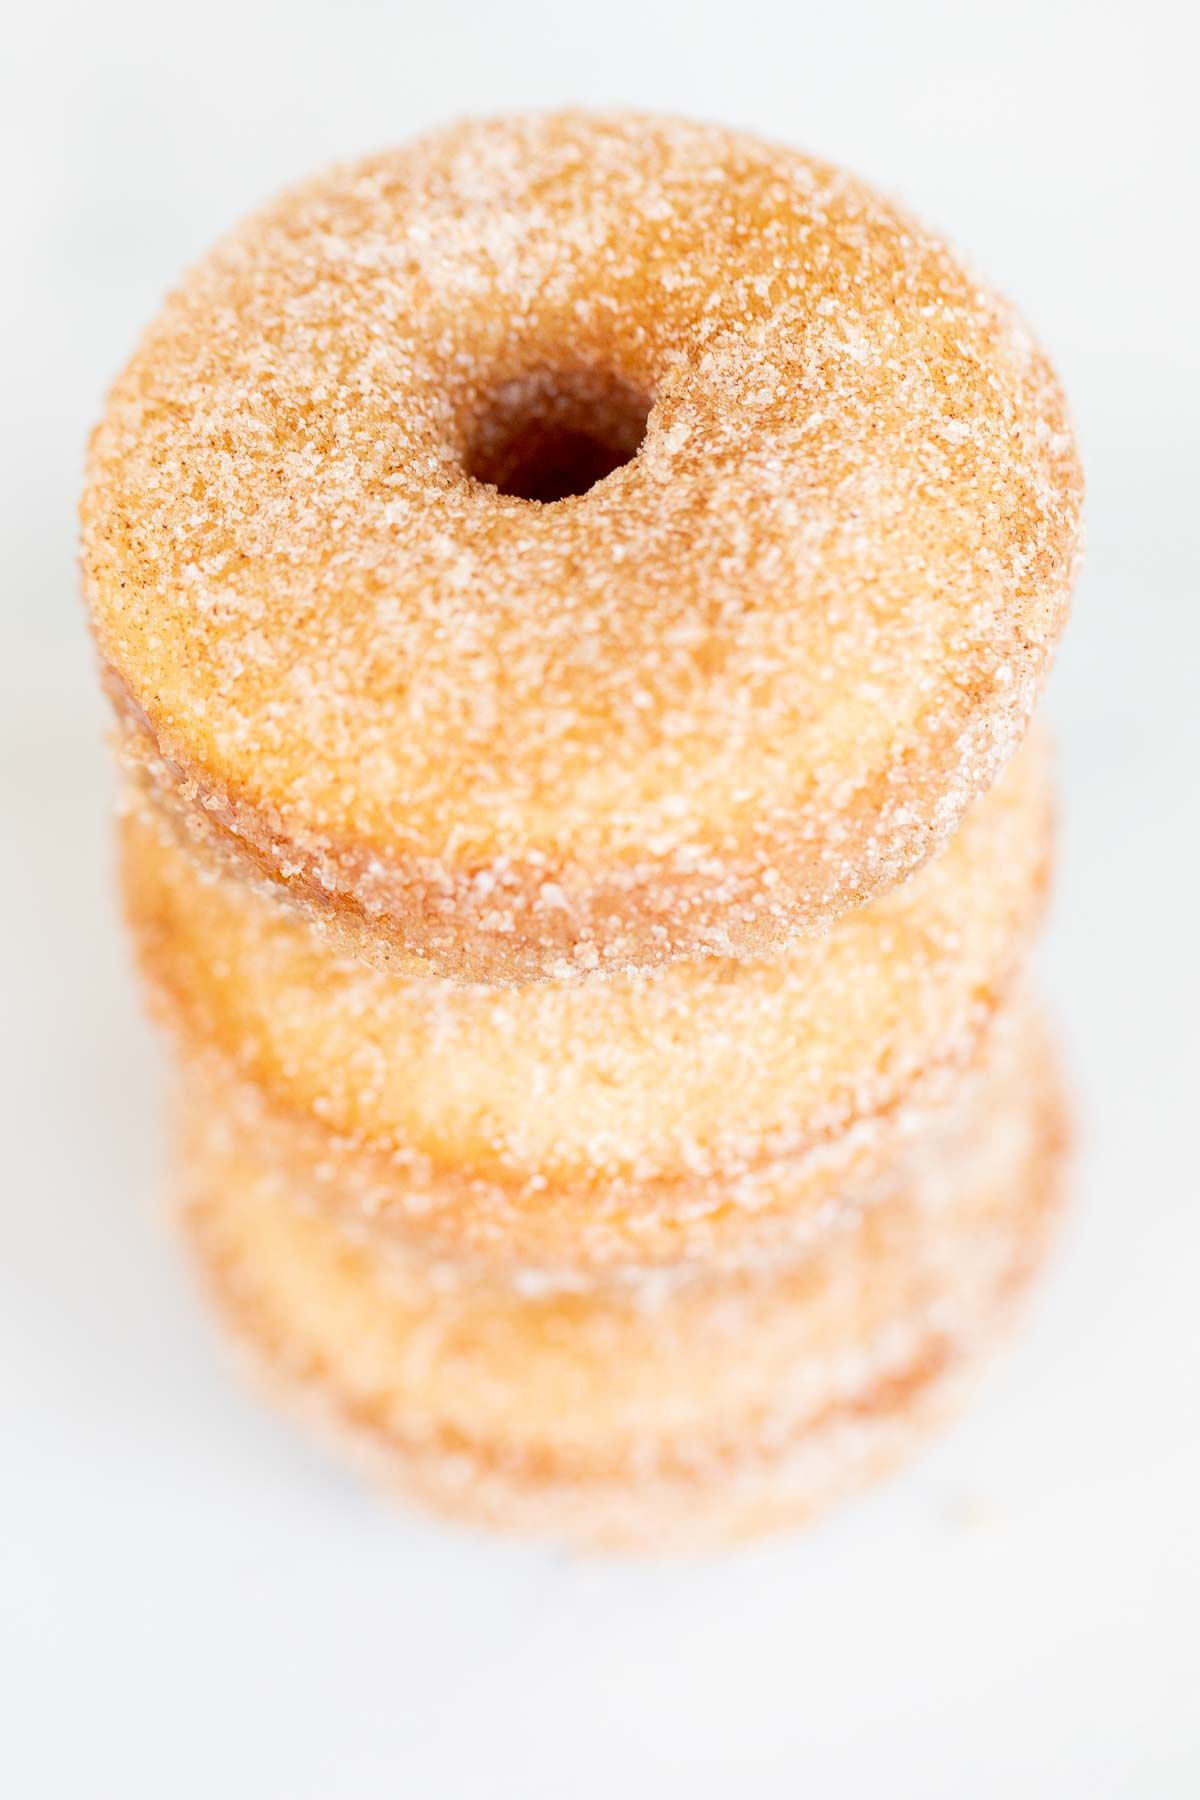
[192, 1602]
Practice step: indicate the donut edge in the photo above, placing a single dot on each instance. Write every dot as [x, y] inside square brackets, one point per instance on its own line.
[690, 1505]
[419, 920]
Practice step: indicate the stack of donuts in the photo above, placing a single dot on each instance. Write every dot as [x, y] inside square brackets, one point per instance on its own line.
[573, 592]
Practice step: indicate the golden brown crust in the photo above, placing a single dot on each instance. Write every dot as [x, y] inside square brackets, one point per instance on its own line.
[706, 1408]
[665, 1511]
[749, 680]
[615, 1114]
[537, 1229]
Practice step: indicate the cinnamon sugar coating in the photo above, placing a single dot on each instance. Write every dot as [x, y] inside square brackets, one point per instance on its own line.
[749, 679]
[600, 1121]
[709, 1406]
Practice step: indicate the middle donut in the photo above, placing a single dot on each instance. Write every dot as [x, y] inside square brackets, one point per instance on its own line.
[551, 1115]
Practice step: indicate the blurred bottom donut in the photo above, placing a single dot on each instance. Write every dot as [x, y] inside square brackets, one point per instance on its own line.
[646, 1408]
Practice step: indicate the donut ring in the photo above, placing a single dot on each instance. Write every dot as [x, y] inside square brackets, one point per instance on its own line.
[706, 1410]
[604, 1120]
[748, 679]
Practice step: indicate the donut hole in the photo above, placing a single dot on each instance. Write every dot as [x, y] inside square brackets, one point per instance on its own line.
[550, 434]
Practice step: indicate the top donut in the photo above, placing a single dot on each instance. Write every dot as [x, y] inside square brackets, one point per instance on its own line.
[577, 542]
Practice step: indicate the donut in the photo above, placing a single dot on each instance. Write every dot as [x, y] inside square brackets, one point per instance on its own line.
[697, 1408]
[632, 1117]
[578, 542]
